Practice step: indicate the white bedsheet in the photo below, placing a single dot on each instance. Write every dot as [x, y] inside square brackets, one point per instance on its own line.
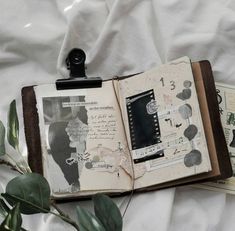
[120, 37]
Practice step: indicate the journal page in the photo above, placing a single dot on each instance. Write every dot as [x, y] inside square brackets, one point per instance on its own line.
[83, 142]
[163, 124]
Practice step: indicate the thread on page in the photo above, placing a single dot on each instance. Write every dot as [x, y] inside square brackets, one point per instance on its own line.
[131, 159]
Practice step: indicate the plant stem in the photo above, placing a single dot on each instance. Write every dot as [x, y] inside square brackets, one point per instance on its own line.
[22, 229]
[64, 216]
[21, 169]
[53, 204]
[61, 216]
[11, 165]
[28, 169]
[15, 162]
[67, 219]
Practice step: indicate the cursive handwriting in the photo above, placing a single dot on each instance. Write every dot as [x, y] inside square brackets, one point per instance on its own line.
[102, 126]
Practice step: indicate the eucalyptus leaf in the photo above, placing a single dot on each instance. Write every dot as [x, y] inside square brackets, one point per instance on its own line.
[31, 190]
[4, 210]
[13, 220]
[13, 126]
[2, 139]
[107, 212]
[87, 221]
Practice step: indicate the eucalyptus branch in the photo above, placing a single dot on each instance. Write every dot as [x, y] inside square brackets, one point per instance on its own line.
[62, 216]
[23, 189]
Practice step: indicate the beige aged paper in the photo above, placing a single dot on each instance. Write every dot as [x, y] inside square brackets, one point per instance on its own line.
[94, 152]
[179, 149]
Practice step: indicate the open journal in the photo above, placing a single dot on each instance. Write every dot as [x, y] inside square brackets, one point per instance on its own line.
[147, 131]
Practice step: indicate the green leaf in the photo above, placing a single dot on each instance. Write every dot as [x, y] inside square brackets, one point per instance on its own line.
[13, 126]
[13, 220]
[87, 221]
[4, 210]
[2, 139]
[107, 212]
[31, 190]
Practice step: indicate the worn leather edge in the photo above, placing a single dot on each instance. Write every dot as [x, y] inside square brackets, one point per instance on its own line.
[31, 128]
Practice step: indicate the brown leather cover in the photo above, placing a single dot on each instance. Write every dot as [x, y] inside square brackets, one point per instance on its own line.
[31, 126]
[205, 86]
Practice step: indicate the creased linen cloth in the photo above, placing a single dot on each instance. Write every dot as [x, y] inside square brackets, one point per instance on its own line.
[120, 38]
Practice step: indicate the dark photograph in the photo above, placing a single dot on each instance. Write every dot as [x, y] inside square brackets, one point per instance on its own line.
[66, 123]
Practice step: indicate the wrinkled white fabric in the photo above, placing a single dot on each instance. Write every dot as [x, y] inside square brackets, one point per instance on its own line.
[120, 38]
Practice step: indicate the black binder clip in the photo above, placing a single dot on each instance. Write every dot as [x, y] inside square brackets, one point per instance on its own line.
[78, 79]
